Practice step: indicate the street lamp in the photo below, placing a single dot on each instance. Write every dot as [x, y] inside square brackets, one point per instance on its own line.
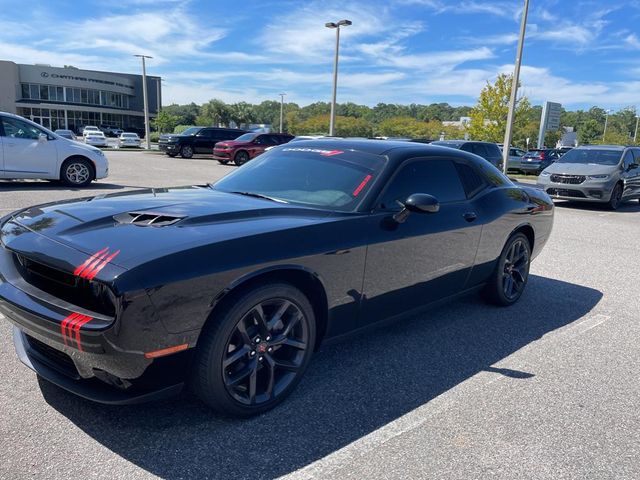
[606, 121]
[635, 135]
[281, 110]
[508, 134]
[336, 25]
[147, 130]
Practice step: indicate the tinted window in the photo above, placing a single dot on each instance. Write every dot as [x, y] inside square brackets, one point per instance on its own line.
[472, 181]
[591, 155]
[627, 159]
[331, 179]
[435, 177]
[636, 155]
[467, 147]
[247, 137]
[205, 134]
[15, 128]
[480, 149]
[493, 151]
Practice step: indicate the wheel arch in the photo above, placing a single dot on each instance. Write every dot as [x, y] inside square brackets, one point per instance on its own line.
[76, 156]
[528, 232]
[306, 280]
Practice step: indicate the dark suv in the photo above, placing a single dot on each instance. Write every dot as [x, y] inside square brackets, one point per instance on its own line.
[534, 161]
[489, 151]
[248, 146]
[196, 140]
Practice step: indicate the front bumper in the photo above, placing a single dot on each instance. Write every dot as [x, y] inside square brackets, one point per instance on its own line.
[224, 155]
[588, 191]
[169, 147]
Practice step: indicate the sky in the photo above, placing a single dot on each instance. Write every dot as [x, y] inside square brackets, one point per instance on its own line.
[579, 53]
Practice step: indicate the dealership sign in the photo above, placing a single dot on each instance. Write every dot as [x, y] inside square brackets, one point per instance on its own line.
[550, 120]
[83, 79]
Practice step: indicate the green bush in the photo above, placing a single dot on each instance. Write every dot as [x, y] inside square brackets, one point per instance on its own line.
[154, 136]
[181, 128]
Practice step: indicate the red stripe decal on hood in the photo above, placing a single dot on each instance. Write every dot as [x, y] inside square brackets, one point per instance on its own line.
[89, 260]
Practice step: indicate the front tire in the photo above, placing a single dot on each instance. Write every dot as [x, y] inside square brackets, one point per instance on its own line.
[76, 172]
[255, 351]
[616, 197]
[506, 284]
[241, 158]
[186, 152]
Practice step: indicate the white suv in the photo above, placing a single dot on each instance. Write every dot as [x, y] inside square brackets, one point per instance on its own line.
[90, 129]
[28, 150]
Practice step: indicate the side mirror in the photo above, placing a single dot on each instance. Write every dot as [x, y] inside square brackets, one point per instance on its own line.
[633, 165]
[43, 137]
[418, 203]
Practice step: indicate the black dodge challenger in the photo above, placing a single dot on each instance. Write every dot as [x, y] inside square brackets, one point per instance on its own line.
[230, 287]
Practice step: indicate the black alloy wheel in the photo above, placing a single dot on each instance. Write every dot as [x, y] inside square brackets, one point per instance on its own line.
[265, 351]
[616, 197]
[511, 273]
[186, 152]
[254, 351]
[241, 158]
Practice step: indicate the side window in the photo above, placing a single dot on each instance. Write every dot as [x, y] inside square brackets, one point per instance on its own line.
[262, 140]
[480, 150]
[472, 181]
[437, 177]
[467, 147]
[15, 128]
[636, 155]
[205, 134]
[627, 159]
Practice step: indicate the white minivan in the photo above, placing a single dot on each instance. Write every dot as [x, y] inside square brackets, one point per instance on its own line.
[28, 150]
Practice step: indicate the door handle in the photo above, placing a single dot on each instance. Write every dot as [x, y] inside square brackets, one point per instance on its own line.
[470, 216]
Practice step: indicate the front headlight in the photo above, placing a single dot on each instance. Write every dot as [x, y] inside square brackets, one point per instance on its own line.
[597, 177]
[544, 173]
[100, 153]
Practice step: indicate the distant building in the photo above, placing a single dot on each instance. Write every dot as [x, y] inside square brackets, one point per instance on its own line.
[463, 122]
[70, 98]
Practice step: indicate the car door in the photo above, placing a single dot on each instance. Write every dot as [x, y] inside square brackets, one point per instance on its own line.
[1, 154]
[430, 255]
[636, 173]
[203, 141]
[27, 150]
[260, 143]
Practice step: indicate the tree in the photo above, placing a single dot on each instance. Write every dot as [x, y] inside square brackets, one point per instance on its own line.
[241, 113]
[165, 121]
[412, 128]
[590, 131]
[489, 116]
[186, 114]
[345, 126]
[214, 112]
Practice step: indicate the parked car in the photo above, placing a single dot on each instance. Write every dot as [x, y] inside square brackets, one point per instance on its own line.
[231, 287]
[90, 129]
[247, 146]
[534, 161]
[515, 158]
[488, 151]
[128, 139]
[32, 151]
[68, 134]
[196, 140]
[595, 173]
[111, 131]
[97, 139]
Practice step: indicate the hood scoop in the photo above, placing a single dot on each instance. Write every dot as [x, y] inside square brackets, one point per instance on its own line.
[147, 219]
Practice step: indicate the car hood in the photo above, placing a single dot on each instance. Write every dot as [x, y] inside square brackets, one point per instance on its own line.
[581, 168]
[81, 148]
[185, 217]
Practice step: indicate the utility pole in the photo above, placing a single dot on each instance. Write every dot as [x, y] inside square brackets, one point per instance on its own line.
[635, 135]
[508, 134]
[606, 121]
[336, 25]
[147, 128]
[281, 110]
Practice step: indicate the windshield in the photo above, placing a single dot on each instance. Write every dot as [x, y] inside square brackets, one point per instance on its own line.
[247, 137]
[330, 179]
[595, 156]
[191, 131]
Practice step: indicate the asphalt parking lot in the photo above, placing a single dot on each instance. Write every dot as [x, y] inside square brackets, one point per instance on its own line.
[547, 389]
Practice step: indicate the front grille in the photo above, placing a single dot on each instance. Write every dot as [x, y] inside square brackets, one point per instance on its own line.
[565, 192]
[56, 359]
[568, 179]
[88, 294]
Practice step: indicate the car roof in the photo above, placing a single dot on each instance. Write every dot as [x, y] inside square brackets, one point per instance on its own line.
[601, 147]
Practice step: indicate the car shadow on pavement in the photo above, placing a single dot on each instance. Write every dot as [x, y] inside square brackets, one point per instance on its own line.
[626, 207]
[351, 389]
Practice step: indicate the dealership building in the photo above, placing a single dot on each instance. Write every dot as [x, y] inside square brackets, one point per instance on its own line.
[70, 98]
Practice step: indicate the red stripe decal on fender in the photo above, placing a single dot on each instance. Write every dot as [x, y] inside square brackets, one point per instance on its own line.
[86, 263]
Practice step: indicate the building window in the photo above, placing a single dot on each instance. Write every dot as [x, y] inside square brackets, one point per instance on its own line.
[25, 90]
[34, 92]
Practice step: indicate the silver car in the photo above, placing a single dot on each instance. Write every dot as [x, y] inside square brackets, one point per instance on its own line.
[595, 173]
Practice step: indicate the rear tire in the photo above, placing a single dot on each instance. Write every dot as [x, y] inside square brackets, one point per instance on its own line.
[509, 279]
[237, 371]
[186, 152]
[76, 172]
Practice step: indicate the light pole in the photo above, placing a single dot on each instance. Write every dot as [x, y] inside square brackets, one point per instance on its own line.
[281, 110]
[635, 135]
[606, 121]
[336, 25]
[508, 134]
[147, 129]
